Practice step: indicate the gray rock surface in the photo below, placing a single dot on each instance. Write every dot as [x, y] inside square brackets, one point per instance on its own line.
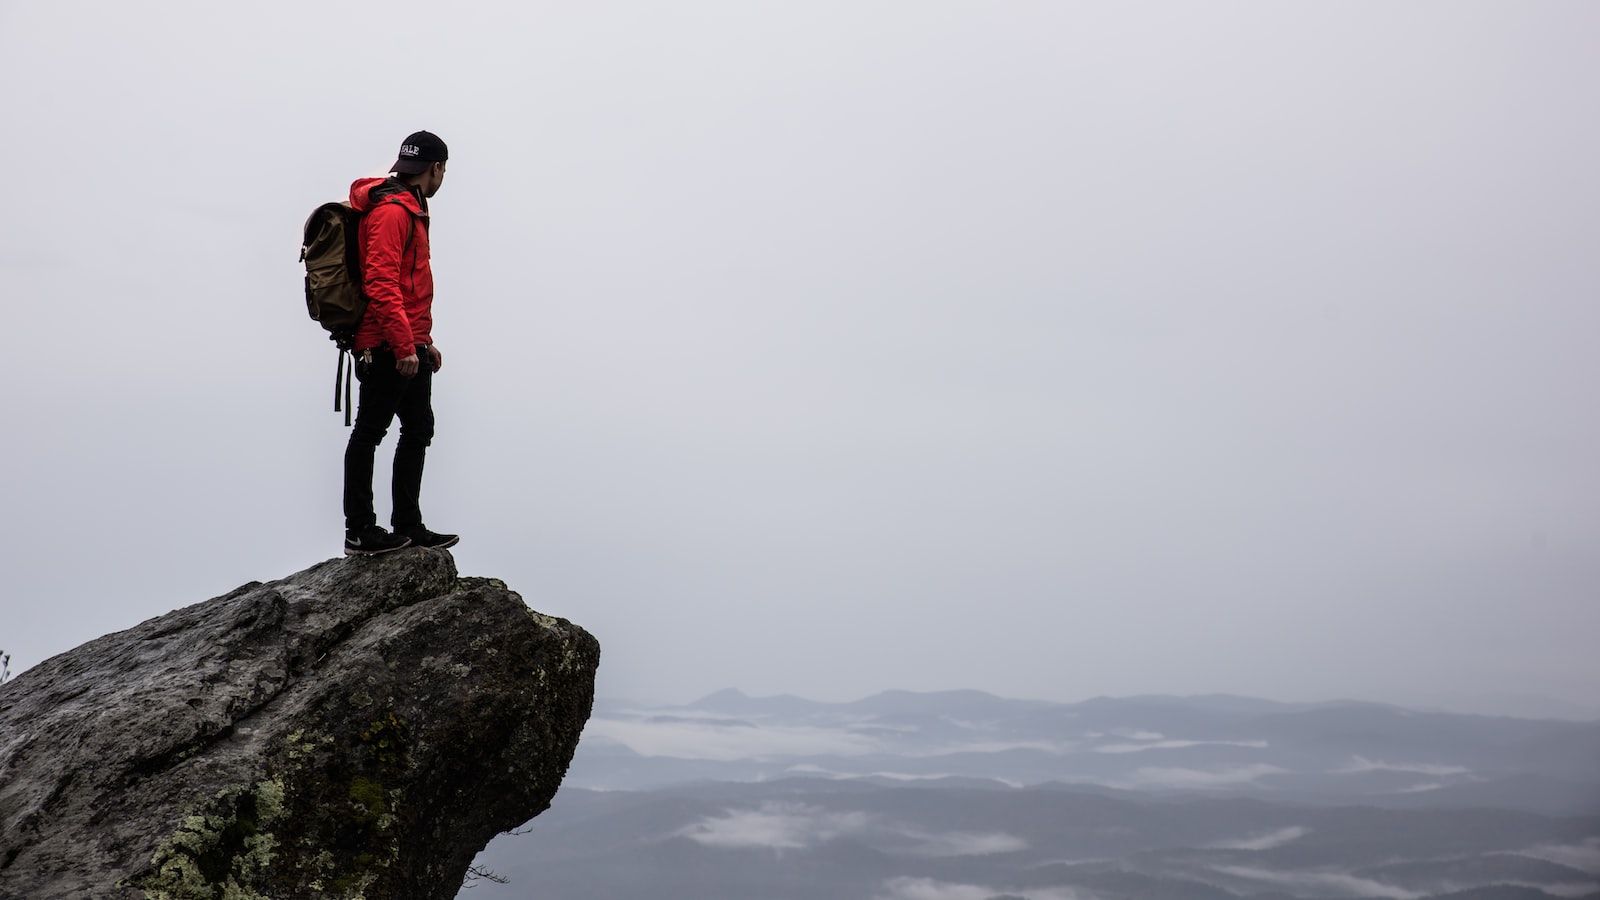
[359, 729]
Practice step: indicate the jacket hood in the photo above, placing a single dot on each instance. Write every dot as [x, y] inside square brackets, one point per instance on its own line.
[366, 193]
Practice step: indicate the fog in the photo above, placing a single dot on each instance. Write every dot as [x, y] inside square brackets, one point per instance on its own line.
[1055, 349]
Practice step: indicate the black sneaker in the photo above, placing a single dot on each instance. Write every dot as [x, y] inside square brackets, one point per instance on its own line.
[422, 537]
[372, 540]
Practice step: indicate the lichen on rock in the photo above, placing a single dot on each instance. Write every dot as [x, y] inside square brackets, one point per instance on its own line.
[214, 855]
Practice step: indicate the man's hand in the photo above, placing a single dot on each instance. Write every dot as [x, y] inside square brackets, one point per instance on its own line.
[407, 366]
[435, 358]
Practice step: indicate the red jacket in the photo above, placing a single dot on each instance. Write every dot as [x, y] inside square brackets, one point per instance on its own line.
[394, 260]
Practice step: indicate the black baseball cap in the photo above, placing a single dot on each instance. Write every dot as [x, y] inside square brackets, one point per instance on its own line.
[419, 151]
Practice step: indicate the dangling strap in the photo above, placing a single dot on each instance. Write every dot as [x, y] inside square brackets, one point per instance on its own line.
[349, 379]
[342, 371]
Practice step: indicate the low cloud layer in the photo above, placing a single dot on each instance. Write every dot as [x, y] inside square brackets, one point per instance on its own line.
[1575, 890]
[1058, 748]
[931, 889]
[775, 826]
[715, 740]
[1360, 764]
[819, 771]
[1266, 841]
[965, 843]
[1585, 856]
[1175, 745]
[797, 826]
[722, 739]
[1200, 779]
[1329, 883]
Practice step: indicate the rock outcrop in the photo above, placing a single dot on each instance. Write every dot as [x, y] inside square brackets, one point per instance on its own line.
[359, 729]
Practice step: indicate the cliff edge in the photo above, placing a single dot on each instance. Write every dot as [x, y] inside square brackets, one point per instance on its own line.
[359, 729]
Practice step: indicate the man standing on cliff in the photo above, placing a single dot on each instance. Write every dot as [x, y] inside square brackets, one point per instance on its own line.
[395, 355]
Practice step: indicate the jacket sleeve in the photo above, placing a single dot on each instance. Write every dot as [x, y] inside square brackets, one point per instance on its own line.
[383, 265]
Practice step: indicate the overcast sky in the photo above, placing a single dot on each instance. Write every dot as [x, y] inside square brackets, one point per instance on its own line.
[1054, 349]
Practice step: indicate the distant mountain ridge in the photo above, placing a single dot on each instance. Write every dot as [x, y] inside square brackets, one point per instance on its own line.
[1330, 752]
[735, 700]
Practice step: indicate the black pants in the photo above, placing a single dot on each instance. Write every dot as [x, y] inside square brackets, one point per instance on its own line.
[385, 394]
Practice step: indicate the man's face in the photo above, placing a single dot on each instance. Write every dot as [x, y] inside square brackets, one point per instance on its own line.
[432, 179]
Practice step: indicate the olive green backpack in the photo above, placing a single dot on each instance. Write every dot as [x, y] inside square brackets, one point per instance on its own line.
[333, 284]
[331, 251]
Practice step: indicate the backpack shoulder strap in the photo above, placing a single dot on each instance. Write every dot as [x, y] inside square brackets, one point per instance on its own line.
[411, 221]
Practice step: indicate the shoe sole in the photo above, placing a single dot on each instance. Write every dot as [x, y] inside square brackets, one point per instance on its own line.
[450, 543]
[350, 552]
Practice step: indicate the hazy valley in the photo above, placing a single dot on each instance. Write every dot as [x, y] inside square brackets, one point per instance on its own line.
[967, 796]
